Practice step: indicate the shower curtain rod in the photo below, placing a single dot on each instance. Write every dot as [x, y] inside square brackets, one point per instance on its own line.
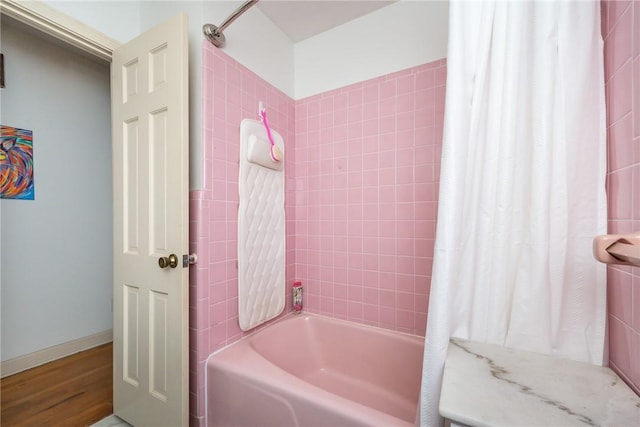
[214, 34]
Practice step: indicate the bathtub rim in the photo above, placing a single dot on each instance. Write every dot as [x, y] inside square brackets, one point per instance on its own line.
[303, 314]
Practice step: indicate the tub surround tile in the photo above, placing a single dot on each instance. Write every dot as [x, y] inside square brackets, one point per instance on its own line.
[619, 48]
[489, 385]
[619, 294]
[620, 151]
[366, 193]
[635, 364]
[620, 346]
[621, 34]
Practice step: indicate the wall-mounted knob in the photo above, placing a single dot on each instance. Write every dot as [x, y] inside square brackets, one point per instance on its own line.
[168, 261]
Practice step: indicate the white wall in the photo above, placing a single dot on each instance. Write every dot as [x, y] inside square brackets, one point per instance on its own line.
[56, 250]
[118, 19]
[396, 37]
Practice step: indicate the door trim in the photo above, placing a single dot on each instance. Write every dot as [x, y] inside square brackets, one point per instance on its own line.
[61, 26]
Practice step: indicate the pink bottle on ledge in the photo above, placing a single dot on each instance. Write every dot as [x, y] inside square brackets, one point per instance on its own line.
[297, 297]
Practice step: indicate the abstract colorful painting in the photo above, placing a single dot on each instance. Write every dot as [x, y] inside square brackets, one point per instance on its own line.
[16, 163]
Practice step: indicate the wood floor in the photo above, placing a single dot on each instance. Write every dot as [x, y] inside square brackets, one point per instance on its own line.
[73, 391]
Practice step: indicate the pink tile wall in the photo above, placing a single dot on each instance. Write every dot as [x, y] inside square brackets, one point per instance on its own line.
[367, 168]
[621, 32]
[230, 93]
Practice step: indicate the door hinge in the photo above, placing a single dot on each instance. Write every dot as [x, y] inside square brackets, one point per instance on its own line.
[189, 259]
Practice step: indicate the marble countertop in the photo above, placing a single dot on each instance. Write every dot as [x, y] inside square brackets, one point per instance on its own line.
[489, 385]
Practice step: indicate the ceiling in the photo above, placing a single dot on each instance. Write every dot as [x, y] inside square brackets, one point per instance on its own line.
[301, 19]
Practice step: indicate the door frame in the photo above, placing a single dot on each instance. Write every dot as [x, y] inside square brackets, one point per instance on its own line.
[61, 26]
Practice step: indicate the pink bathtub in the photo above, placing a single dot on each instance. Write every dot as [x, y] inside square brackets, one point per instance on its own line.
[315, 371]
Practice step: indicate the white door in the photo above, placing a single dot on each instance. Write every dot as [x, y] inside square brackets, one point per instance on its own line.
[149, 96]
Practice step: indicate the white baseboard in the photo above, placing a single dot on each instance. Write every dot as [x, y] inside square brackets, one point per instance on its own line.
[40, 357]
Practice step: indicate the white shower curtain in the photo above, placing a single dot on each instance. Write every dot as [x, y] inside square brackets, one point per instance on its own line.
[522, 185]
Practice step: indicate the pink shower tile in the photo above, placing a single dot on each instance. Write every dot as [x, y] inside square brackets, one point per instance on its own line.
[620, 344]
[355, 97]
[370, 295]
[405, 247]
[312, 303]
[202, 339]
[313, 106]
[387, 124]
[218, 313]
[616, 9]
[406, 138]
[355, 310]
[405, 301]
[371, 312]
[418, 210]
[619, 186]
[218, 335]
[326, 287]
[313, 123]
[619, 294]
[406, 84]
[387, 282]
[425, 191]
[425, 79]
[441, 76]
[420, 322]
[387, 90]
[635, 321]
[618, 49]
[341, 290]
[636, 25]
[423, 266]
[635, 362]
[620, 85]
[341, 101]
[404, 265]
[421, 303]
[370, 279]
[326, 105]
[636, 93]
[405, 121]
[388, 317]
[404, 158]
[424, 248]
[370, 93]
[341, 308]
[405, 229]
[405, 319]
[422, 284]
[405, 211]
[327, 306]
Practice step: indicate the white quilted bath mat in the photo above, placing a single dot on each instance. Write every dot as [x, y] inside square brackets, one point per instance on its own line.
[261, 227]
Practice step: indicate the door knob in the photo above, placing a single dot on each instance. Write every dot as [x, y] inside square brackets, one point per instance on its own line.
[168, 261]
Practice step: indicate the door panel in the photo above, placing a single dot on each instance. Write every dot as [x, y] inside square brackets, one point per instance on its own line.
[150, 184]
